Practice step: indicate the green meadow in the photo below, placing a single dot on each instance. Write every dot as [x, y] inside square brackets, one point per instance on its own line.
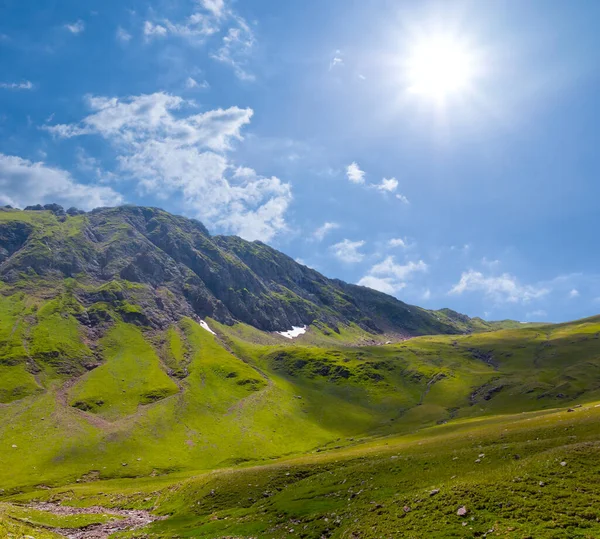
[248, 434]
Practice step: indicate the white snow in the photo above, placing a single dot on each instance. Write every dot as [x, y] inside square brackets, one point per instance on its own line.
[294, 332]
[206, 327]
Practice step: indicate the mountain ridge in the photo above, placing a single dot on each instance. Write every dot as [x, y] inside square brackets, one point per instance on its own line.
[222, 277]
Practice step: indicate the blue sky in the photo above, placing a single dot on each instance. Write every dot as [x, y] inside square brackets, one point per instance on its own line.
[306, 124]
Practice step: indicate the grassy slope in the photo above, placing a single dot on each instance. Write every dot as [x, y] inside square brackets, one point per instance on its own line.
[383, 488]
[131, 376]
[231, 400]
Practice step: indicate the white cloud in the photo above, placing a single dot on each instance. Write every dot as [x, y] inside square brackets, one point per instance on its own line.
[336, 60]
[154, 30]
[387, 185]
[210, 18]
[348, 251]
[192, 83]
[26, 85]
[488, 263]
[389, 277]
[123, 35]
[502, 288]
[236, 47]
[76, 27]
[383, 284]
[244, 172]
[216, 7]
[323, 230]
[574, 293]
[171, 153]
[397, 242]
[23, 182]
[399, 271]
[354, 173]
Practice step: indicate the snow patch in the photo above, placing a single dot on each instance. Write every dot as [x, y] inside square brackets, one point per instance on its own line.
[294, 332]
[206, 327]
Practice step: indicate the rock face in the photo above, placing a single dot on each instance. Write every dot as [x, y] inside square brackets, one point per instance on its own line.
[184, 270]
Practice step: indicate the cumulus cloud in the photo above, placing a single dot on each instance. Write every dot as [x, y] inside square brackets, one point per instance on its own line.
[154, 30]
[23, 182]
[397, 242]
[216, 7]
[389, 277]
[354, 173]
[398, 271]
[323, 230]
[383, 284]
[574, 293]
[387, 185]
[348, 251]
[25, 85]
[502, 288]
[170, 152]
[76, 27]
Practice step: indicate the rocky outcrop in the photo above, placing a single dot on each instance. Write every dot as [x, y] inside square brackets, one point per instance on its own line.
[223, 277]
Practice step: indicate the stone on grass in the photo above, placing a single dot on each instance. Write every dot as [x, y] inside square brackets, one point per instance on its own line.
[434, 491]
[462, 511]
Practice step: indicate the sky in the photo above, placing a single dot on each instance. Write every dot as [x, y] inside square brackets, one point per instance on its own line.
[442, 152]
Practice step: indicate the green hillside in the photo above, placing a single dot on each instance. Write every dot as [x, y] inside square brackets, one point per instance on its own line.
[130, 378]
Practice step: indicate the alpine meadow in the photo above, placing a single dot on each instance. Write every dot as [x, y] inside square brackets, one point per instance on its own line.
[301, 269]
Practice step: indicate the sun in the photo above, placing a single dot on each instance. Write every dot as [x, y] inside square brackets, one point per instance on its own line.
[439, 67]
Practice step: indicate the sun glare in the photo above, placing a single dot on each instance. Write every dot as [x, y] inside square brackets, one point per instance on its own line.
[439, 67]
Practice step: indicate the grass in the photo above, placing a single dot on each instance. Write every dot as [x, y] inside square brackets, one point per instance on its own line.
[386, 487]
[207, 428]
[16, 383]
[38, 518]
[11, 528]
[131, 376]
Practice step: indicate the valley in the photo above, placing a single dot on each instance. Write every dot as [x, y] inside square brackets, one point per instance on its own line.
[144, 393]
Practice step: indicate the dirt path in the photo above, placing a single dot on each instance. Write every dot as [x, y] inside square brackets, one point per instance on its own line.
[130, 520]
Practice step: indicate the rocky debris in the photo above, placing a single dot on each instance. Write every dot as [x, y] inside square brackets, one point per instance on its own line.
[485, 356]
[130, 520]
[486, 392]
[434, 492]
[563, 463]
[462, 511]
[13, 235]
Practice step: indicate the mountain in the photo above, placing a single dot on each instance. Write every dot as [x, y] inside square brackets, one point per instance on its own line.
[142, 365]
[172, 267]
